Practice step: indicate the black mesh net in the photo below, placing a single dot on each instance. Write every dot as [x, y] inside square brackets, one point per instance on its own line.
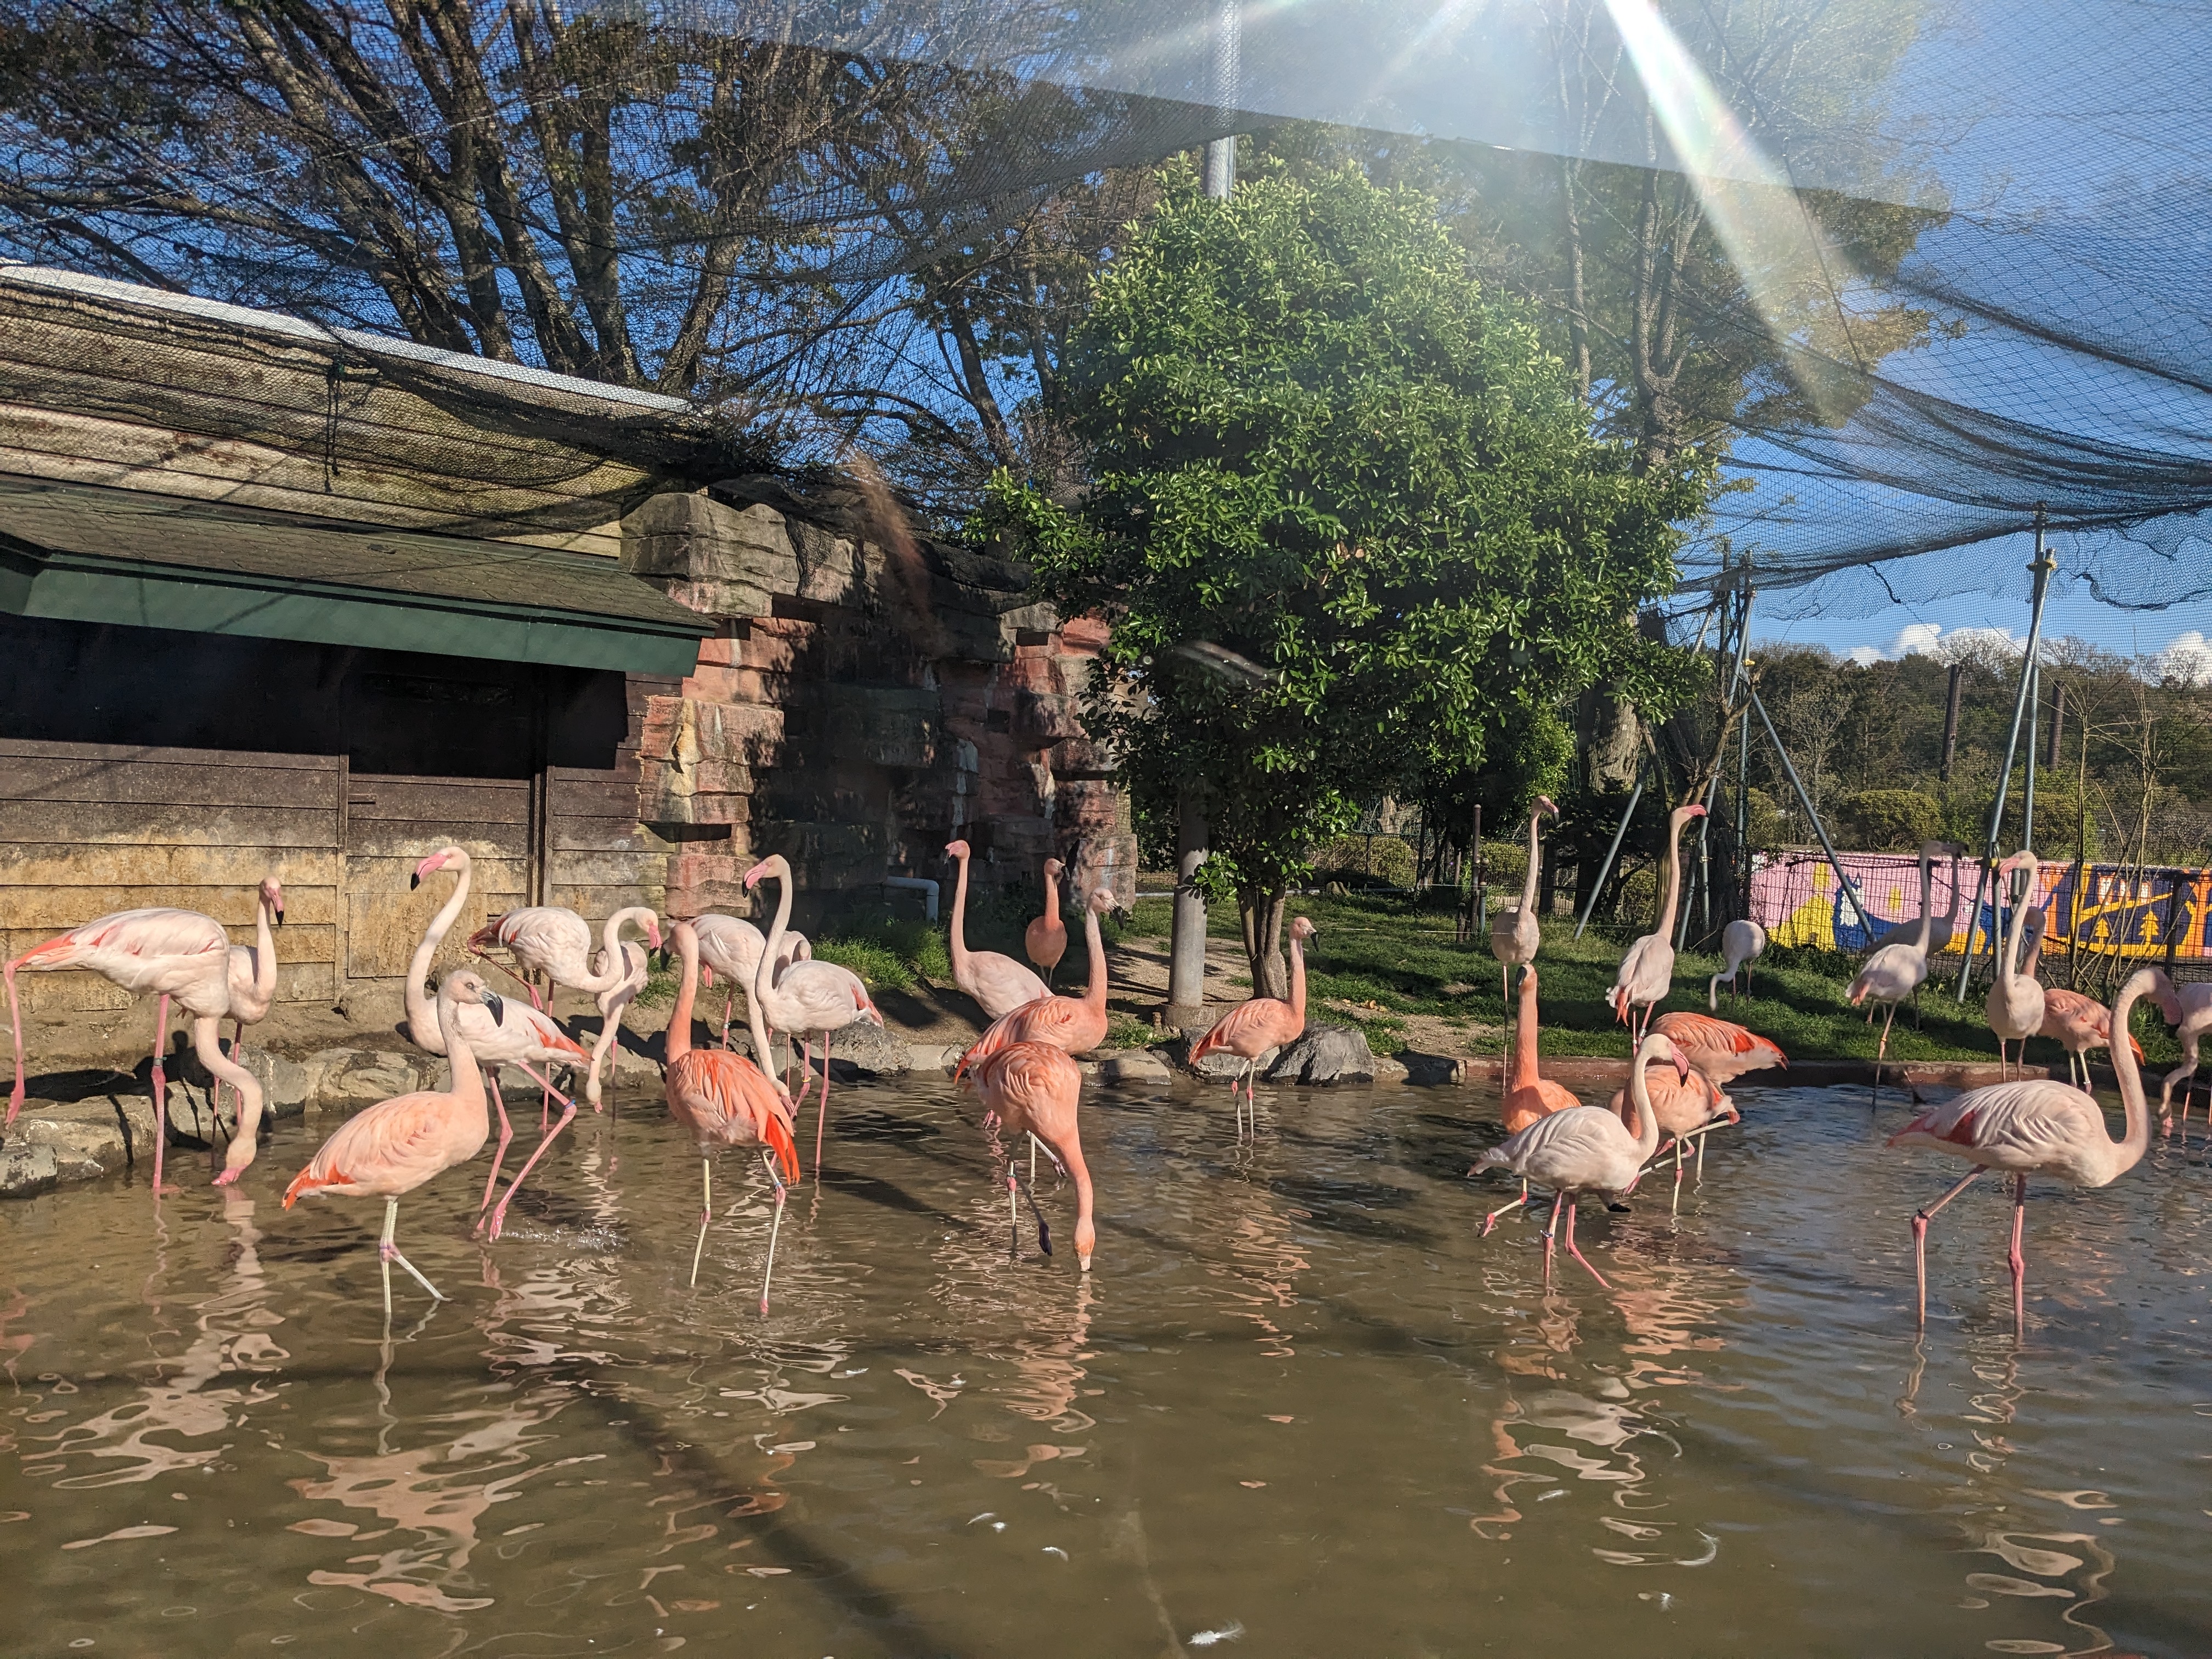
[789, 214]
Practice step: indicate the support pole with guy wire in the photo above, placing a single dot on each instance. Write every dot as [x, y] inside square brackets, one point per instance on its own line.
[1984, 878]
[1790, 771]
[1729, 706]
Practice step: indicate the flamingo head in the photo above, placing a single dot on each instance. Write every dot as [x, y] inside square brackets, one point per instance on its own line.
[1302, 929]
[1661, 1048]
[272, 895]
[1053, 867]
[957, 850]
[1692, 810]
[444, 857]
[774, 865]
[1086, 1241]
[1103, 900]
[1546, 804]
[465, 985]
[652, 932]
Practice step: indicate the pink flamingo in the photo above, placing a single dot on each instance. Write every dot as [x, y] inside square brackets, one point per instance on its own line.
[548, 940]
[1031, 1089]
[1742, 943]
[726, 1100]
[1647, 972]
[2189, 1008]
[2016, 1002]
[732, 947]
[806, 997]
[171, 953]
[396, 1145]
[1688, 1107]
[1514, 936]
[1045, 939]
[2077, 1022]
[1253, 1027]
[1720, 1049]
[525, 1038]
[998, 983]
[1529, 1095]
[623, 991]
[252, 976]
[1074, 1025]
[2032, 1126]
[1585, 1149]
[1895, 973]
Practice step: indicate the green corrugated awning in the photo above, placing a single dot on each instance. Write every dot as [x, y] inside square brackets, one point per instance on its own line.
[82, 553]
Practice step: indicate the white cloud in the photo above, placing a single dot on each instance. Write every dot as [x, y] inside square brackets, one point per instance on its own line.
[1925, 639]
[2187, 658]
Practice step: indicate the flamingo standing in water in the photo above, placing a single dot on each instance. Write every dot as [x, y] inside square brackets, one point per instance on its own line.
[1045, 939]
[252, 975]
[1743, 941]
[396, 1145]
[525, 1038]
[2016, 1002]
[1647, 972]
[1585, 1149]
[1529, 1095]
[2077, 1022]
[732, 947]
[2032, 1126]
[1074, 1025]
[726, 1100]
[623, 991]
[556, 942]
[1688, 1107]
[1514, 936]
[173, 953]
[1031, 1089]
[2189, 1009]
[1896, 971]
[997, 983]
[807, 999]
[1253, 1027]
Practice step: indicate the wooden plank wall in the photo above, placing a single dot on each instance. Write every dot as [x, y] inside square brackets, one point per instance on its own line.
[393, 823]
[599, 857]
[85, 829]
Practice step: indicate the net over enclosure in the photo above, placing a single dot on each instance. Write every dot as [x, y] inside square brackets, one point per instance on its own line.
[1962, 272]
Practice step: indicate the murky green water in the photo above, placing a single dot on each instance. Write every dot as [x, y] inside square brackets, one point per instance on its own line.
[1299, 1409]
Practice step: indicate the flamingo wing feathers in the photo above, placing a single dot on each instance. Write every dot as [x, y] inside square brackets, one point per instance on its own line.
[1693, 1033]
[725, 1097]
[732, 947]
[1250, 1029]
[391, 1148]
[820, 996]
[2029, 1124]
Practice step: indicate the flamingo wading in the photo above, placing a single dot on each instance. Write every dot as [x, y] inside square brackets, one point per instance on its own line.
[1253, 1027]
[732, 947]
[1074, 1025]
[1032, 1089]
[2032, 1126]
[1529, 1095]
[1647, 972]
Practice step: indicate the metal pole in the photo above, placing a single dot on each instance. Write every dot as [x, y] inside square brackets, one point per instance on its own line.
[1712, 785]
[2034, 720]
[1790, 771]
[1951, 720]
[1221, 153]
[1606, 869]
[2044, 565]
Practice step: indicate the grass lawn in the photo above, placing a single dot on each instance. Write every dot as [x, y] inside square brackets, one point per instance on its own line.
[1394, 968]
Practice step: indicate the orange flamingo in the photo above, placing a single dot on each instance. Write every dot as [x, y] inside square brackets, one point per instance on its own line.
[726, 1100]
[1720, 1048]
[1045, 939]
[1074, 1025]
[1251, 1028]
[396, 1145]
[1031, 1089]
[1527, 1096]
[1686, 1103]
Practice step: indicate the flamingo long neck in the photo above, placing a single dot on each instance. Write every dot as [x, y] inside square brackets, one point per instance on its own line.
[1524, 1035]
[424, 1026]
[1086, 1227]
[1647, 1120]
[1094, 995]
[687, 991]
[2129, 1150]
[265, 952]
[959, 919]
[1925, 927]
[468, 1076]
[2008, 963]
[1528, 881]
[1665, 931]
[616, 960]
[208, 1046]
[1299, 978]
[1051, 896]
[763, 985]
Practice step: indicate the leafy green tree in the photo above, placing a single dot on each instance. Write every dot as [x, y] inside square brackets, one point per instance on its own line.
[1346, 520]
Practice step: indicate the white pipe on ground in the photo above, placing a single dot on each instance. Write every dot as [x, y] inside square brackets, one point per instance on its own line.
[920, 884]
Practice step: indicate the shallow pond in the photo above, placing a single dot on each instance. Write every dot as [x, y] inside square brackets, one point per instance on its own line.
[1298, 1408]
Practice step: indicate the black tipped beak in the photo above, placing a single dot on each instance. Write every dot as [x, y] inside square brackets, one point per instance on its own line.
[414, 879]
[280, 915]
[493, 1000]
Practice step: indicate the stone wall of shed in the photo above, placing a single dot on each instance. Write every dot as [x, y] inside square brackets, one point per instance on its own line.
[871, 696]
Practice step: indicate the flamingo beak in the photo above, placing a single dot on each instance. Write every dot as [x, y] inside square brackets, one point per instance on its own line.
[493, 1000]
[1681, 1066]
[653, 934]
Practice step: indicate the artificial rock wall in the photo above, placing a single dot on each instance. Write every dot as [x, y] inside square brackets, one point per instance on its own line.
[871, 695]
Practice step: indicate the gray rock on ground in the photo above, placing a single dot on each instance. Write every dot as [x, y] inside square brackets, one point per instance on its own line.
[350, 1080]
[1327, 1055]
[1134, 1068]
[27, 1171]
[86, 1137]
[870, 1050]
[933, 1056]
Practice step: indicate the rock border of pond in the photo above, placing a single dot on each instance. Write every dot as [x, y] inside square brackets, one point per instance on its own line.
[79, 1126]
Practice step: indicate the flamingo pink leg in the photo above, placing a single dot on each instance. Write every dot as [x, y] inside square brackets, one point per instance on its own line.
[2016, 1259]
[776, 1227]
[822, 1121]
[1491, 1220]
[506, 1135]
[160, 1091]
[1577, 1254]
[728, 1003]
[499, 1210]
[1920, 1220]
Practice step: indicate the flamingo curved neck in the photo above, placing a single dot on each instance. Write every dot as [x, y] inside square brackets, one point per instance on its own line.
[679, 1041]
[2129, 1150]
[424, 1027]
[468, 1078]
[1528, 880]
[2008, 961]
[959, 941]
[1647, 1120]
[1924, 928]
[264, 953]
[763, 987]
[1298, 979]
[1665, 931]
[1094, 995]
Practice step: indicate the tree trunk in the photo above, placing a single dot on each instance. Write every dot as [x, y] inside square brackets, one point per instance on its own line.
[1263, 940]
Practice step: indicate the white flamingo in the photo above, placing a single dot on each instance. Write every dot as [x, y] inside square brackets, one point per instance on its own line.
[2189, 1008]
[526, 1039]
[619, 995]
[1896, 971]
[1647, 972]
[1743, 941]
[2015, 1002]
[556, 942]
[732, 947]
[808, 996]
[996, 980]
[2032, 1126]
[1586, 1149]
[1515, 935]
